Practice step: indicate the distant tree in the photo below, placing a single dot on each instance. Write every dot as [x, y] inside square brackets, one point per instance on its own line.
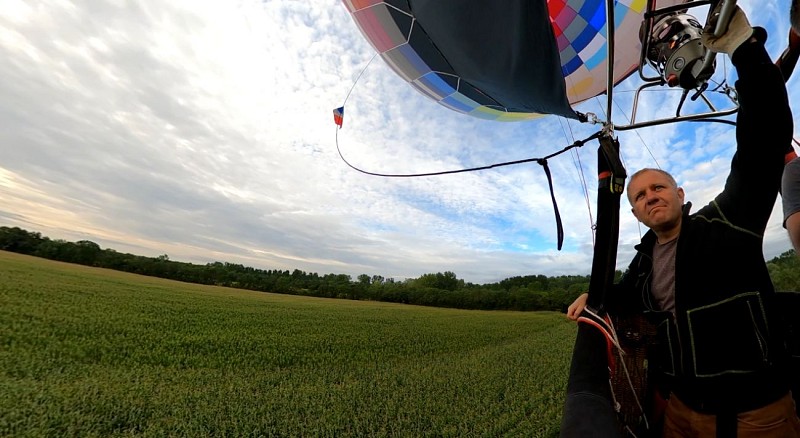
[364, 280]
[785, 271]
[86, 252]
[18, 240]
[443, 281]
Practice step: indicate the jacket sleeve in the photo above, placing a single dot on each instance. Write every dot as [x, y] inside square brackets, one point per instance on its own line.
[763, 140]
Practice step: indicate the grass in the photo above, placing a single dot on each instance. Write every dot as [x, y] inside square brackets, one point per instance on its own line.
[92, 352]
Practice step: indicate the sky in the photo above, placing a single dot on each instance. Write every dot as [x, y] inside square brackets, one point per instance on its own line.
[203, 130]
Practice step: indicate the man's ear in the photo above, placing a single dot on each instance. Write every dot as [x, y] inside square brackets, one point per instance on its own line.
[681, 194]
[634, 214]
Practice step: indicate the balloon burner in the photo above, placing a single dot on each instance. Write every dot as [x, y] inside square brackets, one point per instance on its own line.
[674, 49]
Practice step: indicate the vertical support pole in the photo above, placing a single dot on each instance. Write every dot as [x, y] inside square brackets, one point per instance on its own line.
[588, 409]
[610, 25]
[611, 183]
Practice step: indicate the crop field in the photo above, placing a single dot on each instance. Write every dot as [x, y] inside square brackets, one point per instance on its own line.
[92, 352]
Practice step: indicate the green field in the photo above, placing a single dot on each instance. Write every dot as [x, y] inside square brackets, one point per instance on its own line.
[93, 352]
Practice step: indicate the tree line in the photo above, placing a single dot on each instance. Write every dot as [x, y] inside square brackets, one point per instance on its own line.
[441, 289]
[524, 293]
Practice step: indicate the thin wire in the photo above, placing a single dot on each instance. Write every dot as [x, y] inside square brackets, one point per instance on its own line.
[725, 67]
[576, 161]
[640, 138]
[571, 86]
[586, 196]
[602, 110]
[638, 224]
[359, 77]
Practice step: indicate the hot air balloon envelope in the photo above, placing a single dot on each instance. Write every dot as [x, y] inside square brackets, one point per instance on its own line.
[503, 60]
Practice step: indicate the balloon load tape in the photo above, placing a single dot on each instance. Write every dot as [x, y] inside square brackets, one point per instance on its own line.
[675, 50]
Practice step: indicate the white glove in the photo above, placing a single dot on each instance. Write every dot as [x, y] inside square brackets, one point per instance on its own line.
[739, 31]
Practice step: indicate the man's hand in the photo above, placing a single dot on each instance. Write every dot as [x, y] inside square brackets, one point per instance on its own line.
[574, 310]
[735, 35]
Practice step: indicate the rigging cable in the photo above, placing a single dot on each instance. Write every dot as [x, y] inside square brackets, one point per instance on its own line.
[359, 77]
[542, 161]
[576, 161]
[641, 139]
[575, 153]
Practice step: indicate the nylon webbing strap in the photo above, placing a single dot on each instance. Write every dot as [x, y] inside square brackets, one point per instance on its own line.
[611, 183]
[559, 226]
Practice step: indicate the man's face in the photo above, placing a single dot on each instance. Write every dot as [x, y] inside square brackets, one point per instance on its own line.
[656, 202]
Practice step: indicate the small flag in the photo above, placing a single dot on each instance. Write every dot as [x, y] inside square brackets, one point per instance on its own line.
[338, 116]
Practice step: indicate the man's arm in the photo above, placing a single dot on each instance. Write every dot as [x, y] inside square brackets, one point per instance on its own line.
[791, 202]
[620, 299]
[574, 310]
[793, 227]
[763, 138]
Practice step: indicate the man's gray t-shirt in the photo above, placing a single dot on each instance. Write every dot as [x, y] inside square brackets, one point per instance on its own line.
[663, 282]
[790, 189]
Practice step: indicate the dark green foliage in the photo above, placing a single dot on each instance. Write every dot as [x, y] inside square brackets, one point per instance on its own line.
[446, 281]
[785, 271]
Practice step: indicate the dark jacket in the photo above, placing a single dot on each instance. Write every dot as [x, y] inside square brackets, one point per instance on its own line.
[722, 350]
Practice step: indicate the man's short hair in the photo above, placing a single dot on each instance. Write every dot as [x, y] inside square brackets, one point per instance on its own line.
[651, 169]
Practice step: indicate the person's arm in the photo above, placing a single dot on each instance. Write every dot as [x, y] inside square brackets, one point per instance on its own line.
[574, 310]
[788, 59]
[793, 227]
[620, 299]
[791, 202]
[763, 138]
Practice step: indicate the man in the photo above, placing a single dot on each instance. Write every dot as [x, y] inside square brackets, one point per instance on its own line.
[701, 278]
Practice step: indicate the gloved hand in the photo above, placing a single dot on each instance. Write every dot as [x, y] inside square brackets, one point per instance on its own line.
[739, 31]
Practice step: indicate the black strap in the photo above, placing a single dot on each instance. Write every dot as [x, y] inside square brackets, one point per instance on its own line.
[610, 185]
[559, 227]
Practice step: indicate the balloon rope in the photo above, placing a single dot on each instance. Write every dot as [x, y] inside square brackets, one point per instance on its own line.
[359, 77]
[577, 143]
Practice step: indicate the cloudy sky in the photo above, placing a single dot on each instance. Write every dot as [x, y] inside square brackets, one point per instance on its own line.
[203, 130]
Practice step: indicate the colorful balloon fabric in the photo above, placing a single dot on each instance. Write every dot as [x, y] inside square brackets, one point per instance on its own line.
[503, 60]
